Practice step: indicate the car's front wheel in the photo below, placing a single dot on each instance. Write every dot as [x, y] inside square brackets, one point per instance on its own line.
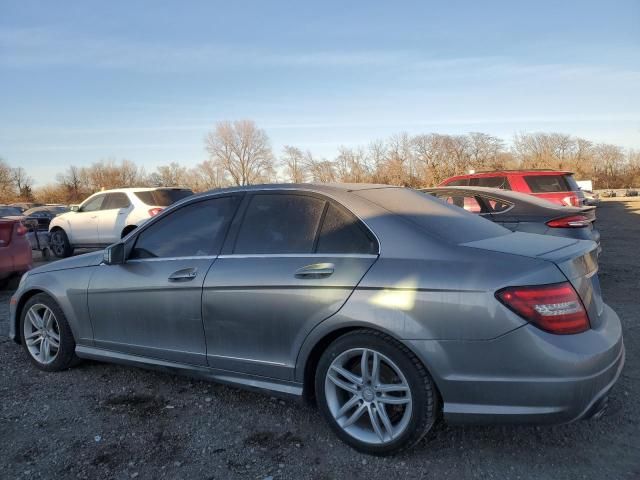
[375, 393]
[46, 335]
[60, 245]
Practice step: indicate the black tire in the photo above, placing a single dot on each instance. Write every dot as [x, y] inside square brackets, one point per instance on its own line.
[425, 403]
[59, 244]
[66, 356]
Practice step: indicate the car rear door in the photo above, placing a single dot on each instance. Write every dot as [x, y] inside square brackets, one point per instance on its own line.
[151, 304]
[291, 261]
[112, 217]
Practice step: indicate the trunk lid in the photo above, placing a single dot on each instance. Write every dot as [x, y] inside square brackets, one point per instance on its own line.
[577, 259]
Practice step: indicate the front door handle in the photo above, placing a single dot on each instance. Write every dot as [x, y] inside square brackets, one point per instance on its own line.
[184, 275]
[316, 270]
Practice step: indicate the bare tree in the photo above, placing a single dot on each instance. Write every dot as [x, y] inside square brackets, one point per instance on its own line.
[242, 150]
[322, 170]
[7, 191]
[23, 184]
[293, 160]
[74, 182]
[207, 175]
[172, 175]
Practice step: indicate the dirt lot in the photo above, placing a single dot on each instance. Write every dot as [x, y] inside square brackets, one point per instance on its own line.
[105, 421]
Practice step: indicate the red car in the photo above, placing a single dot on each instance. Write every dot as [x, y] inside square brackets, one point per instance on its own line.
[15, 249]
[555, 186]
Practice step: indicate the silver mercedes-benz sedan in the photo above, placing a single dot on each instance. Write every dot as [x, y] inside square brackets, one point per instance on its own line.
[386, 306]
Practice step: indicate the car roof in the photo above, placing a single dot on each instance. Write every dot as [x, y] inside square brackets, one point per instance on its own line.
[310, 187]
[493, 173]
[138, 189]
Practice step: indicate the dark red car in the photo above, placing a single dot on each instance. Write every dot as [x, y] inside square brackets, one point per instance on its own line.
[555, 186]
[15, 250]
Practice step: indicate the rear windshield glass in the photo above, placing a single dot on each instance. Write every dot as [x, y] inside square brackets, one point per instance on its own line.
[163, 197]
[433, 215]
[550, 183]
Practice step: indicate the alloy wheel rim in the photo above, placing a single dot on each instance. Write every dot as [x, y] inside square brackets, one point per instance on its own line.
[57, 243]
[368, 396]
[42, 334]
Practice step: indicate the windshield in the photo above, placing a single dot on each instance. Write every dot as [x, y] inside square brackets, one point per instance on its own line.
[10, 211]
[433, 215]
[163, 197]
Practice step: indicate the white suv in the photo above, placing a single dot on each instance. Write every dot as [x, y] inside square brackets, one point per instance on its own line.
[105, 217]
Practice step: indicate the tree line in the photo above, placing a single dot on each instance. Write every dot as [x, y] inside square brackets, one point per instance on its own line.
[240, 153]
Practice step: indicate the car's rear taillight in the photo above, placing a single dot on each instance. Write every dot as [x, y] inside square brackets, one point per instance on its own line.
[154, 211]
[572, 221]
[21, 230]
[555, 308]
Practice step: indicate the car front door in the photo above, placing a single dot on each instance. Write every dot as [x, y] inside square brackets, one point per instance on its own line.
[112, 217]
[84, 223]
[291, 261]
[151, 304]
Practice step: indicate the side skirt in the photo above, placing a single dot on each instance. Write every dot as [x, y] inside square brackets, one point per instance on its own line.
[248, 382]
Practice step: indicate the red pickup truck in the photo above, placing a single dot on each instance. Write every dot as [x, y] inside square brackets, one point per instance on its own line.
[15, 250]
[555, 186]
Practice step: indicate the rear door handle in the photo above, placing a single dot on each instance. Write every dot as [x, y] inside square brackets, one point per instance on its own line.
[183, 275]
[316, 270]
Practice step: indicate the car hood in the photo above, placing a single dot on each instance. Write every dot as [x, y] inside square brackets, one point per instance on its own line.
[86, 260]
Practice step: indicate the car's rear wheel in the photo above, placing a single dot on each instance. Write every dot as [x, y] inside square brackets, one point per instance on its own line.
[375, 393]
[46, 335]
[60, 245]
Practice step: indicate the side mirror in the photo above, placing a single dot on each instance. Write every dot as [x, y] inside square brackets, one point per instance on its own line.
[74, 208]
[114, 254]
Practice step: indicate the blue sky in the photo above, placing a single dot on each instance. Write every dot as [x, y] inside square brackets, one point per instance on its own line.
[81, 81]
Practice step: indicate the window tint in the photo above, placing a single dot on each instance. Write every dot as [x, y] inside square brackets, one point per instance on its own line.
[10, 211]
[116, 201]
[277, 223]
[342, 232]
[94, 204]
[468, 202]
[163, 197]
[191, 231]
[491, 182]
[496, 206]
[459, 183]
[547, 183]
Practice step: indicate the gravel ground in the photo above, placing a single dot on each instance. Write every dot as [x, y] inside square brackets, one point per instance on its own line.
[106, 421]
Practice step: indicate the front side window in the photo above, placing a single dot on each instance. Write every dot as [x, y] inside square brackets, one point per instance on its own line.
[94, 204]
[279, 223]
[194, 230]
[342, 232]
[491, 182]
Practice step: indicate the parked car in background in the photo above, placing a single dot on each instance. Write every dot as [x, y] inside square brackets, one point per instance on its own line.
[106, 217]
[8, 211]
[15, 250]
[25, 205]
[43, 215]
[556, 186]
[520, 212]
[388, 306]
[591, 198]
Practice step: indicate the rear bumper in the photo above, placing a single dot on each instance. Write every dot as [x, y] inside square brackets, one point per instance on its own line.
[527, 375]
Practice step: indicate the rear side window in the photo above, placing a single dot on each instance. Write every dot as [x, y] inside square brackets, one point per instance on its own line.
[115, 201]
[342, 232]
[276, 223]
[468, 202]
[548, 183]
[490, 182]
[163, 197]
[192, 231]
